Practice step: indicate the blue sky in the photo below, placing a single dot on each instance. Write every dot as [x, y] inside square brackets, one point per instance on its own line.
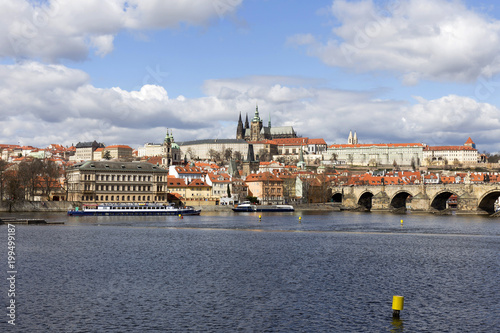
[122, 72]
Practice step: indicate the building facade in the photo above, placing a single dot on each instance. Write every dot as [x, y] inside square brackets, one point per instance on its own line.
[266, 187]
[84, 151]
[403, 154]
[441, 155]
[116, 182]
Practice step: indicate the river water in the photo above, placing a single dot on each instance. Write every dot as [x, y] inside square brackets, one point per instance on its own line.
[227, 272]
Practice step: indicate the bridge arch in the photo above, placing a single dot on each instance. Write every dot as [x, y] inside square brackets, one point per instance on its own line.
[440, 200]
[487, 201]
[365, 200]
[399, 199]
[337, 197]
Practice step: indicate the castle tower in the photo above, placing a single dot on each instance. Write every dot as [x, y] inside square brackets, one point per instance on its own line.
[470, 143]
[349, 139]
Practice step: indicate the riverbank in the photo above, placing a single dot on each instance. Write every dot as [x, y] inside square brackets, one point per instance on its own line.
[37, 206]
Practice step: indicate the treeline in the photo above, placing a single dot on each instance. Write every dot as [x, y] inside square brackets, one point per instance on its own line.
[24, 181]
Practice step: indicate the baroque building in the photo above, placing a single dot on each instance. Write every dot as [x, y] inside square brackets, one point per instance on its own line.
[256, 131]
[116, 182]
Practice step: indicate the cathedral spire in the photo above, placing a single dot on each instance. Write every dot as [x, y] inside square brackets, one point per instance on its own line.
[239, 129]
[256, 117]
[269, 124]
[349, 139]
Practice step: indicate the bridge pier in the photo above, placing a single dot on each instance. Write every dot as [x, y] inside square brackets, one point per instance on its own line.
[381, 202]
[420, 202]
[467, 203]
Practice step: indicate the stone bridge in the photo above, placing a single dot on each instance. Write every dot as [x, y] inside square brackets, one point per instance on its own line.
[471, 198]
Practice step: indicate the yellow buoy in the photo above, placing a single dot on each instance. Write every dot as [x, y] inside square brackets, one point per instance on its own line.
[398, 302]
[300, 219]
[401, 221]
[397, 305]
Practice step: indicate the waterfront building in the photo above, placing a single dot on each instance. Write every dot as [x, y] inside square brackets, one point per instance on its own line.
[118, 182]
[219, 183]
[267, 187]
[177, 186]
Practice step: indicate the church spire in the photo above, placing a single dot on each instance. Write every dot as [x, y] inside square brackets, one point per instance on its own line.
[355, 140]
[269, 124]
[349, 139]
[239, 129]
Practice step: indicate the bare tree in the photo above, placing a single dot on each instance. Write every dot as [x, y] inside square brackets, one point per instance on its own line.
[3, 167]
[228, 152]
[14, 190]
[49, 177]
[106, 155]
[237, 155]
[29, 174]
[190, 153]
[264, 155]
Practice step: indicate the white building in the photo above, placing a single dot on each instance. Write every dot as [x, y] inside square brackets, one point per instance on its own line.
[150, 149]
[440, 155]
[403, 154]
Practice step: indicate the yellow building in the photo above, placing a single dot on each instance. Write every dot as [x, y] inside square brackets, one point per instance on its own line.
[118, 152]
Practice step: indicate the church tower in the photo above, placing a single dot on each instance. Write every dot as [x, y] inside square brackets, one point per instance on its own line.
[167, 150]
[352, 140]
[256, 126]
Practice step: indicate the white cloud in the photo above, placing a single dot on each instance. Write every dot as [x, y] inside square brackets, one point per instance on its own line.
[420, 39]
[44, 104]
[61, 29]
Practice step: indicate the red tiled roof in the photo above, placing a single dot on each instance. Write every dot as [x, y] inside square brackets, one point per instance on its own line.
[264, 176]
[175, 182]
[316, 142]
[119, 146]
[291, 141]
[389, 145]
[198, 183]
[469, 140]
[442, 148]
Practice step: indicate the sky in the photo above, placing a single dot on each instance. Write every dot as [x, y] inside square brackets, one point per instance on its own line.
[125, 72]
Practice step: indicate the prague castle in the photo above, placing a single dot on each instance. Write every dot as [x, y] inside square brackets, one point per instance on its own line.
[255, 131]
